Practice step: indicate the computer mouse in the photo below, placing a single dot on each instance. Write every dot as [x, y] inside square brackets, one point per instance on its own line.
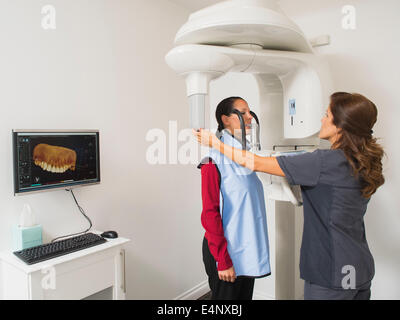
[110, 234]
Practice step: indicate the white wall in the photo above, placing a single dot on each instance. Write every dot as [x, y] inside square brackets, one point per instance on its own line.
[103, 68]
[366, 60]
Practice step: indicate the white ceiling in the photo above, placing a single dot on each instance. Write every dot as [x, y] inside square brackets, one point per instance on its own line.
[290, 7]
[194, 5]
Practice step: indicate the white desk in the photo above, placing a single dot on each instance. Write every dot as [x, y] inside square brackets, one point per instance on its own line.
[73, 276]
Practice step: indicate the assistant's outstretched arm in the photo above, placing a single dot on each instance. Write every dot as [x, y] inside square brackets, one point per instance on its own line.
[242, 157]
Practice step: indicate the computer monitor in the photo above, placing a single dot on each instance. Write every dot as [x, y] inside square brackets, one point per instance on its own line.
[48, 160]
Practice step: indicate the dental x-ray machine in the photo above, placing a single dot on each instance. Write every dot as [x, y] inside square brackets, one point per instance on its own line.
[255, 37]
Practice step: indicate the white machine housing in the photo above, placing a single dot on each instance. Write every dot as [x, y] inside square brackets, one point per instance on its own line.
[303, 77]
[255, 38]
[252, 36]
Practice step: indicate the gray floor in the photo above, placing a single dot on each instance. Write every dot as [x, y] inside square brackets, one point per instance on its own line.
[207, 296]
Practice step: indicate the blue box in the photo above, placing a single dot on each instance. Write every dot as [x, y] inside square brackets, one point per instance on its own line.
[26, 237]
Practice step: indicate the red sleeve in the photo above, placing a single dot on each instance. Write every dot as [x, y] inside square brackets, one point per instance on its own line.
[211, 217]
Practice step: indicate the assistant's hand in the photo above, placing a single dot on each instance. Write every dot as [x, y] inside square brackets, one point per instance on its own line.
[205, 137]
[228, 275]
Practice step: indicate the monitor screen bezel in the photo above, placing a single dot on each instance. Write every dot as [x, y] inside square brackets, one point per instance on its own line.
[64, 186]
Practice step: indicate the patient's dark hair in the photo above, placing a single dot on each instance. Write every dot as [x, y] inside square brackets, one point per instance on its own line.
[225, 107]
[355, 116]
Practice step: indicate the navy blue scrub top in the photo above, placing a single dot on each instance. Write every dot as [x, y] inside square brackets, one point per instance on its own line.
[334, 208]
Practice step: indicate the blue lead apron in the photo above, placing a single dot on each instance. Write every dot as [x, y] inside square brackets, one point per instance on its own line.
[242, 208]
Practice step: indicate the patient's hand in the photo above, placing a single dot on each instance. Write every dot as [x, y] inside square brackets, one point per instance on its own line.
[228, 275]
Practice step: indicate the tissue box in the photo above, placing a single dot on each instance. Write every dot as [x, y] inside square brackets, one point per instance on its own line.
[26, 237]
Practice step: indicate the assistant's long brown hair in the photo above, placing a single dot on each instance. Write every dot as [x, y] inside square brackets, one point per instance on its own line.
[354, 115]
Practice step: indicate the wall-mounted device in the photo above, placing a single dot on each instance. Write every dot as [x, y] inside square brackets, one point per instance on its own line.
[55, 159]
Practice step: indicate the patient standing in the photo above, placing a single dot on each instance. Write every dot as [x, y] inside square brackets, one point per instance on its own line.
[235, 246]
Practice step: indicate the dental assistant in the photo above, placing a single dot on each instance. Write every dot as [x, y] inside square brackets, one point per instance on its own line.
[336, 184]
[235, 245]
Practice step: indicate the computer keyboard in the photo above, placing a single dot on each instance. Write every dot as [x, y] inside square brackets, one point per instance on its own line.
[55, 249]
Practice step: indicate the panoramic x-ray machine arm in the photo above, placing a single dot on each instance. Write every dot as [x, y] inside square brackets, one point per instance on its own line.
[253, 36]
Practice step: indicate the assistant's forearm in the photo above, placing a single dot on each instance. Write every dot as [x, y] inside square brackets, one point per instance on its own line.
[241, 157]
[249, 160]
[268, 165]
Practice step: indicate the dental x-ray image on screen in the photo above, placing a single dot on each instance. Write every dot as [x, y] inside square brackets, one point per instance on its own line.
[54, 159]
[48, 160]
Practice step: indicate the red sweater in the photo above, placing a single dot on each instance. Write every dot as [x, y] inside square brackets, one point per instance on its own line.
[211, 217]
